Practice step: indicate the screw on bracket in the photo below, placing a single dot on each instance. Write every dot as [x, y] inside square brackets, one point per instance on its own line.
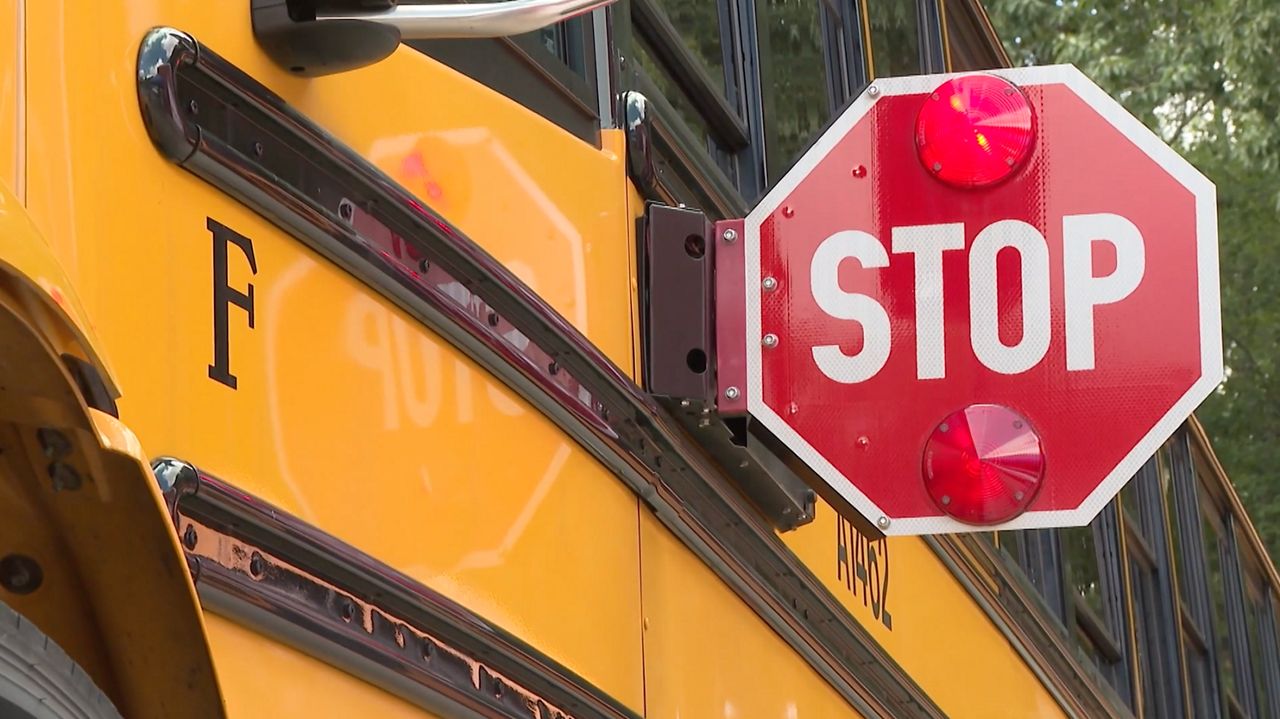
[729, 234]
[769, 284]
[769, 340]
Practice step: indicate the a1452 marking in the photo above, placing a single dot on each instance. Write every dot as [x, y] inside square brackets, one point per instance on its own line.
[862, 564]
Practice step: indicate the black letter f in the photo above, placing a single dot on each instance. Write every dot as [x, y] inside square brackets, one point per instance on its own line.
[223, 295]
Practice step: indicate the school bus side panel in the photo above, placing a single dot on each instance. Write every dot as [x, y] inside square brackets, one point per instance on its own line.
[345, 411]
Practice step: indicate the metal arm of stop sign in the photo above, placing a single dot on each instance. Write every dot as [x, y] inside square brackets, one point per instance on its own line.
[1083, 291]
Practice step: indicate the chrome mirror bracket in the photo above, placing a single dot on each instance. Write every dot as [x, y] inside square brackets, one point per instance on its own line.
[323, 37]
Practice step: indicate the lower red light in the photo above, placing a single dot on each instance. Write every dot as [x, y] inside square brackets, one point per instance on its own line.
[983, 465]
[975, 130]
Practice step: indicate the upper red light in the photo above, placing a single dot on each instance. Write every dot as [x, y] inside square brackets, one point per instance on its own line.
[975, 130]
[983, 464]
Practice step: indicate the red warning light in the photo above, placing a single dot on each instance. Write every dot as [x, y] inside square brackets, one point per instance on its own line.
[975, 130]
[983, 464]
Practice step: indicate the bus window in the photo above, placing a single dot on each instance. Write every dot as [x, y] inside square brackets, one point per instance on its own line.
[794, 69]
[551, 72]
[704, 33]
[1147, 550]
[1262, 645]
[1194, 611]
[1090, 557]
[895, 39]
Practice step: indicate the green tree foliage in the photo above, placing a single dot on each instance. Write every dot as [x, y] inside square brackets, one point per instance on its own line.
[1204, 75]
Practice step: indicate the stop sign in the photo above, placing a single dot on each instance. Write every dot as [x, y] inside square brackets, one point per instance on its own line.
[981, 301]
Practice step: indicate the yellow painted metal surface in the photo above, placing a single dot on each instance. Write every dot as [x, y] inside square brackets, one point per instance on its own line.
[917, 610]
[266, 679]
[346, 412]
[707, 654]
[12, 140]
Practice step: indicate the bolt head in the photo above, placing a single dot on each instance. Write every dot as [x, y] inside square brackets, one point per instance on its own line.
[873, 91]
[883, 523]
[731, 393]
[769, 340]
[730, 235]
[769, 284]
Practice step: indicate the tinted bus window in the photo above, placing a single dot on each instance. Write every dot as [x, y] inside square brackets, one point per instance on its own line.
[797, 104]
[895, 44]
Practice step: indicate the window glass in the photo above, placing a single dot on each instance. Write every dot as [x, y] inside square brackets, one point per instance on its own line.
[1218, 600]
[1258, 635]
[1146, 625]
[698, 22]
[793, 65]
[672, 93]
[1165, 474]
[1083, 576]
[895, 46]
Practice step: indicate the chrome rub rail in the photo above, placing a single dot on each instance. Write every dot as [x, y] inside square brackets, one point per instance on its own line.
[259, 150]
[260, 565]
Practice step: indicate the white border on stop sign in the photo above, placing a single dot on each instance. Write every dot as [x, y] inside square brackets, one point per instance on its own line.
[1207, 274]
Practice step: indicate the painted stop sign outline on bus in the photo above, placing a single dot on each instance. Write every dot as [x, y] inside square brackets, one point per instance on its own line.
[981, 301]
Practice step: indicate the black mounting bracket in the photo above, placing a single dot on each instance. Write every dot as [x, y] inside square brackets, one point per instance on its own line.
[288, 31]
[678, 364]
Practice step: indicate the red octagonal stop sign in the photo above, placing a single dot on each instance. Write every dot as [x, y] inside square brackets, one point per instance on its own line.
[982, 302]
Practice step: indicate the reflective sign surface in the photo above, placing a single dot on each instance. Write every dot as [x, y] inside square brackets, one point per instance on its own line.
[1080, 292]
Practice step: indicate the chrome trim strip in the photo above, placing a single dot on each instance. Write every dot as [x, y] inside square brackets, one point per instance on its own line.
[472, 20]
[361, 219]
[262, 566]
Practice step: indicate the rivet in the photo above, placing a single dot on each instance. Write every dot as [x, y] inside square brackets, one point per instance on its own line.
[729, 234]
[788, 211]
[860, 171]
[345, 210]
[793, 408]
[553, 369]
[946, 499]
[20, 574]
[428, 649]
[769, 284]
[424, 265]
[189, 537]
[937, 167]
[1018, 495]
[883, 523]
[731, 393]
[257, 149]
[704, 423]
[873, 91]
[934, 96]
[348, 610]
[493, 318]
[769, 340]
[944, 427]
[864, 442]
[1017, 424]
[1008, 161]
[194, 107]
[684, 403]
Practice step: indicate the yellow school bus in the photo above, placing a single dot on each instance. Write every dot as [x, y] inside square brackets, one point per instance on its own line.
[332, 385]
